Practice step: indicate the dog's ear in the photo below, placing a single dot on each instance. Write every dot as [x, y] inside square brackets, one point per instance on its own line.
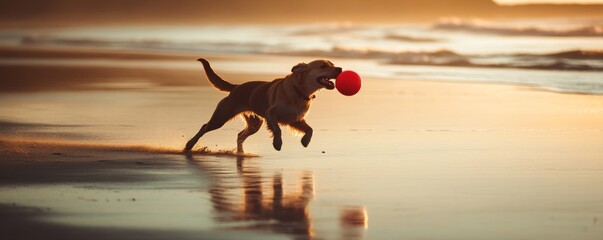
[299, 67]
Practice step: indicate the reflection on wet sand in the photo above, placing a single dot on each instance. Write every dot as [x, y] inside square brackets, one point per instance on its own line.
[257, 208]
[354, 222]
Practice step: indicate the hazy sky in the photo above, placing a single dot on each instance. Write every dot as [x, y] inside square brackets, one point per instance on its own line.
[47, 13]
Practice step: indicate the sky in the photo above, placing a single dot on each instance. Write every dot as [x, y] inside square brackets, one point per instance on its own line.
[47, 13]
[550, 1]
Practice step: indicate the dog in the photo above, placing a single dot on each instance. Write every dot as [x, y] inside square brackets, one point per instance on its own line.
[283, 101]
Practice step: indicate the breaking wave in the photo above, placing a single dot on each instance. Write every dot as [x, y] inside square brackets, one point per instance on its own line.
[453, 24]
[582, 60]
[412, 39]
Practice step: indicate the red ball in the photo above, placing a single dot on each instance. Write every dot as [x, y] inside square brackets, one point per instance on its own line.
[348, 83]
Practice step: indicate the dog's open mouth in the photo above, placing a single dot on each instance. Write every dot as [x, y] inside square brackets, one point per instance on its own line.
[325, 81]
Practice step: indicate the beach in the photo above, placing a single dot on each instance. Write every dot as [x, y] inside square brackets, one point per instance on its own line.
[409, 158]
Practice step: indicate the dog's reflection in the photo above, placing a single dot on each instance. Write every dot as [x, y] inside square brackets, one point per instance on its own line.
[254, 201]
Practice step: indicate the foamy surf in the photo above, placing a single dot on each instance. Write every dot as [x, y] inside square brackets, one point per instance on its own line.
[24, 146]
[484, 27]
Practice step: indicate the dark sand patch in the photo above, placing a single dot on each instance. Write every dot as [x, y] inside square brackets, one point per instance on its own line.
[28, 52]
[34, 78]
[21, 222]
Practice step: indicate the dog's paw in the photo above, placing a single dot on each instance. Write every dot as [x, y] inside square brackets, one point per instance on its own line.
[277, 143]
[305, 141]
[189, 146]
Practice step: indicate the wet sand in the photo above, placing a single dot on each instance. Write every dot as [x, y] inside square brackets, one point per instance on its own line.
[402, 159]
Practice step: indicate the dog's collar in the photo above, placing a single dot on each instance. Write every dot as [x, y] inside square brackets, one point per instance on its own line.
[302, 96]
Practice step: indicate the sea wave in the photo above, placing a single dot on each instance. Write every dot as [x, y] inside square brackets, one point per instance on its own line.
[579, 60]
[582, 60]
[477, 26]
[326, 29]
[147, 44]
[412, 39]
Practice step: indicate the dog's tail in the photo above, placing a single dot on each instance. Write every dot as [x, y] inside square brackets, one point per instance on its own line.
[214, 79]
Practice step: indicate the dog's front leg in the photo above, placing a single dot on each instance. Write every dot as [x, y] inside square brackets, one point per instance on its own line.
[302, 126]
[272, 121]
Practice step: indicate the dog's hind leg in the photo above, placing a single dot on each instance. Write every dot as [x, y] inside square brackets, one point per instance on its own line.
[224, 112]
[305, 128]
[254, 123]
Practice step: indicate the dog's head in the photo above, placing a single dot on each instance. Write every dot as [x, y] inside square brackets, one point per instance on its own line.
[315, 75]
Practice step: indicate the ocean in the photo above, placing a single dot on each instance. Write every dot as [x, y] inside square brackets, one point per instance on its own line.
[561, 55]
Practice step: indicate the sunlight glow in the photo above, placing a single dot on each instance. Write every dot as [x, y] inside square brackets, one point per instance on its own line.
[513, 2]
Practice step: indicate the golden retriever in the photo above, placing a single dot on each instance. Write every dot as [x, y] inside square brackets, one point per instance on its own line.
[283, 101]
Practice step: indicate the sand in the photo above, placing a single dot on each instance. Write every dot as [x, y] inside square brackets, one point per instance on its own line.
[403, 159]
